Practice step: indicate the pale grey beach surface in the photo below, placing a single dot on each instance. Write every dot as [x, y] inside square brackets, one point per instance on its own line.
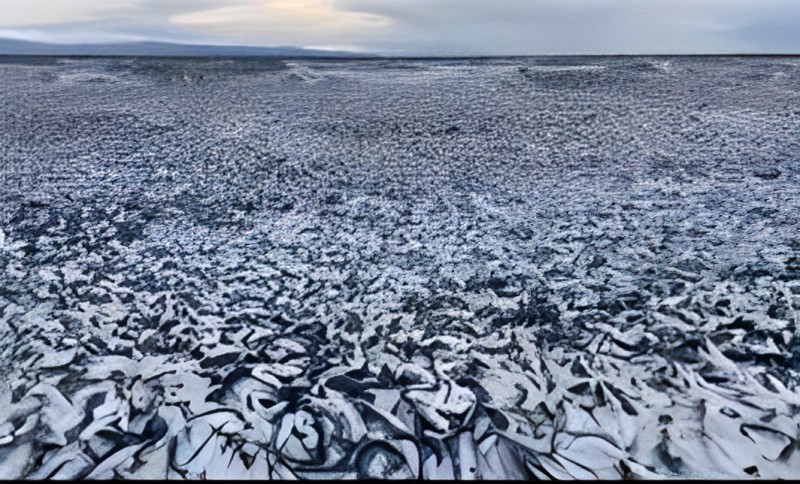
[520, 268]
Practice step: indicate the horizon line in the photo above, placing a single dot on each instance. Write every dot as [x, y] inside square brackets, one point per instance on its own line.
[315, 52]
[370, 56]
[337, 53]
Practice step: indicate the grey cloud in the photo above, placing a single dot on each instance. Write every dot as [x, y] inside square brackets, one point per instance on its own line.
[476, 26]
[588, 26]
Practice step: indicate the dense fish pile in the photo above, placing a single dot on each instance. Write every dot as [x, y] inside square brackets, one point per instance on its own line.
[551, 268]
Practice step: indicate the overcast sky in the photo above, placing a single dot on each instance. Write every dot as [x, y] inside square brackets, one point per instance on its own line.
[480, 27]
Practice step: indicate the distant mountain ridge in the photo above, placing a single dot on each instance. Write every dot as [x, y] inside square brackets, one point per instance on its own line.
[160, 49]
